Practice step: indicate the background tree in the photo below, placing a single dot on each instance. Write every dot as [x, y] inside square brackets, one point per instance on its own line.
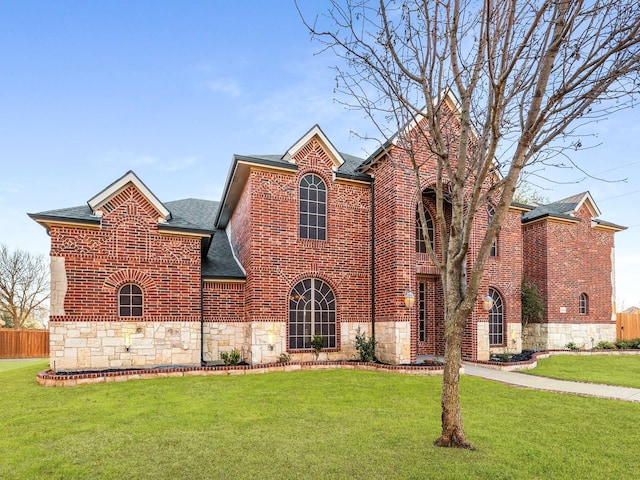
[24, 287]
[526, 74]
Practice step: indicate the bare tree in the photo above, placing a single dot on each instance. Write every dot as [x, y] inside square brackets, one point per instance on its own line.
[24, 285]
[526, 75]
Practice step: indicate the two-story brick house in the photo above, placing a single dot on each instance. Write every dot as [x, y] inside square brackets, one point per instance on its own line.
[309, 242]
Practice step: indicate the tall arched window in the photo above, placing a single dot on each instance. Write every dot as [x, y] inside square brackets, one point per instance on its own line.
[584, 304]
[313, 208]
[494, 246]
[496, 319]
[312, 311]
[421, 246]
[130, 301]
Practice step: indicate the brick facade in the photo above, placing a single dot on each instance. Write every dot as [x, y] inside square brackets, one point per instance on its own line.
[565, 259]
[199, 301]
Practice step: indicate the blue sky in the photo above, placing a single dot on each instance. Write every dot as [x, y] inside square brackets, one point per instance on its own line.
[90, 90]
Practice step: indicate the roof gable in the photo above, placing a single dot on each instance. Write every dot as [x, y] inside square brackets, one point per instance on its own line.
[328, 147]
[118, 186]
[446, 97]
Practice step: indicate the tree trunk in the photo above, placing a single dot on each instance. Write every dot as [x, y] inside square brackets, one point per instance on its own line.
[452, 432]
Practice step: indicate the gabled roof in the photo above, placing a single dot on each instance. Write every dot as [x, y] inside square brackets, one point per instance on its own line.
[120, 184]
[563, 209]
[345, 167]
[446, 96]
[566, 209]
[190, 215]
[327, 146]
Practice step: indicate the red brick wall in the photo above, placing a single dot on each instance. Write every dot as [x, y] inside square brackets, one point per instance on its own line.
[398, 266]
[578, 259]
[224, 302]
[128, 248]
[504, 271]
[274, 256]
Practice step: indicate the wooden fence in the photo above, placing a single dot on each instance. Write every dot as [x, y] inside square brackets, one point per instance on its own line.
[627, 326]
[23, 343]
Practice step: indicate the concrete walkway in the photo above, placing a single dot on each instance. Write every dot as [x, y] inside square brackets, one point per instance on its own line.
[552, 385]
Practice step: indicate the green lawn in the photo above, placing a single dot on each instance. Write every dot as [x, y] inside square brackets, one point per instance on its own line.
[312, 424]
[12, 364]
[623, 370]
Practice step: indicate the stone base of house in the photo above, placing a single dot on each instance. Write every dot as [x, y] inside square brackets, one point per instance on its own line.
[105, 345]
[555, 336]
[394, 342]
[513, 340]
[265, 342]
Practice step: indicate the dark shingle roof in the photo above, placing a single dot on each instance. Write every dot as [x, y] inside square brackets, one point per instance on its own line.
[82, 214]
[560, 209]
[192, 214]
[220, 262]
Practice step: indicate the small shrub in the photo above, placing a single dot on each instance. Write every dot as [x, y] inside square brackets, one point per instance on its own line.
[230, 358]
[284, 358]
[317, 342]
[628, 344]
[605, 346]
[366, 348]
[572, 346]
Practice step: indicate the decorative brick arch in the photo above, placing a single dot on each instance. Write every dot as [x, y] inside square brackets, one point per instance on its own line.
[328, 181]
[114, 281]
[312, 274]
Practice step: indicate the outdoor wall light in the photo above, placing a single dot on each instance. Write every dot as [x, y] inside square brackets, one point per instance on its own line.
[270, 341]
[127, 341]
[409, 299]
[487, 303]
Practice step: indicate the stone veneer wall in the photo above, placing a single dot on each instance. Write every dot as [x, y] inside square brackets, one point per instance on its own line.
[254, 341]
[554, 336]
[100, 345]
[394, 342]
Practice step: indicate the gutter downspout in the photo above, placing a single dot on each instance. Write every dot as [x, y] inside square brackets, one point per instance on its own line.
[202, 362]
[373, 262]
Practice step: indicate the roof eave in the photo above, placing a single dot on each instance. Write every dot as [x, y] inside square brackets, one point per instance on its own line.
[236, 178]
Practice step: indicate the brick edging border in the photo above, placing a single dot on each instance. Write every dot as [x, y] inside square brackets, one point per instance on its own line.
[49, 378]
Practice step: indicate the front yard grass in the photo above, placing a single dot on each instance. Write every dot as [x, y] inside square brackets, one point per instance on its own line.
[623, 370]
[312, 424]
[12, 364]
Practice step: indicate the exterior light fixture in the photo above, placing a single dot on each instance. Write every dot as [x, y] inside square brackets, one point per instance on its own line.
[127, 341]
[487, 303]
[270, 341]
[409, 299]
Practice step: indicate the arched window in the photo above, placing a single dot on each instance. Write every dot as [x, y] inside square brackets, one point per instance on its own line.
[421, 246]
[313, 208]
[130, 301]
[494, 246]
[312, 311]
[584, 304]
[496, 319]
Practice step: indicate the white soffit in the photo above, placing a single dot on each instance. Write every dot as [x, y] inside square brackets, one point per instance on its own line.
[324, 141]
[116, 187]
